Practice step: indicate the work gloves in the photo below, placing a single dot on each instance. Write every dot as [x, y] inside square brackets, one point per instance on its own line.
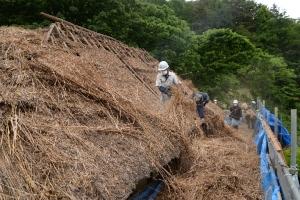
[165, 90]
[201, 103]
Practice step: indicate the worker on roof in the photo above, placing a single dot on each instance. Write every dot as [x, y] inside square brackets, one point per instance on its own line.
[201, 99]
[165, 80]
[250, 117]
[216, 101]
[235, 114]
[253, 105]
[244, 106]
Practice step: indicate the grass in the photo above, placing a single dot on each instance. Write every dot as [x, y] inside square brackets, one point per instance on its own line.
[287, 155]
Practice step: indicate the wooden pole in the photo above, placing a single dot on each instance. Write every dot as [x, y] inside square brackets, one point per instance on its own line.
[294, 141]
[276, 121]
[56, 19]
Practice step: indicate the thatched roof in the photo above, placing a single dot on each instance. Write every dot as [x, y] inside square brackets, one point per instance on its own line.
[75, 122]
[81, 119]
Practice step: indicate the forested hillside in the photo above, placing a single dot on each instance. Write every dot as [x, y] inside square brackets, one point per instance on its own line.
[224, 46]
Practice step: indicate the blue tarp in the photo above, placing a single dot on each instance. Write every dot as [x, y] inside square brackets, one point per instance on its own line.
[283, 134]
[269, 179]
[150, 192]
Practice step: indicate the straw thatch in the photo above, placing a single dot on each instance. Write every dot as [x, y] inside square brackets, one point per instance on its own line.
[81, 119]
[223, 166]
[75, 125]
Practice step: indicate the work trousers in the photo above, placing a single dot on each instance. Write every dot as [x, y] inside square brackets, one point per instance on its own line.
[200, 111]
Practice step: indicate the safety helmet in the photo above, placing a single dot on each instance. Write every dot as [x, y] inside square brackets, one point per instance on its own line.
[197, 96]
[253, 102]
[235, 101]
[163, 65]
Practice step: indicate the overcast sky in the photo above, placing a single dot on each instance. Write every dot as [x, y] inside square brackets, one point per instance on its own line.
[292, 7]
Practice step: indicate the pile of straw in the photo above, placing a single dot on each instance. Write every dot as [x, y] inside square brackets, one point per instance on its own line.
[223, 165]
[223, 168]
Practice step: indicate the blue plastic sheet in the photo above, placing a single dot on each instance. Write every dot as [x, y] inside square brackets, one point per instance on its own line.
[269, 179]
[283, 134]
[150, 192]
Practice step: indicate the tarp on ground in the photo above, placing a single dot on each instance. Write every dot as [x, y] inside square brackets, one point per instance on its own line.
[150, 192]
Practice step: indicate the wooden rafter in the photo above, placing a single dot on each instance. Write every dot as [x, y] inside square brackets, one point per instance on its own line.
[66, 31]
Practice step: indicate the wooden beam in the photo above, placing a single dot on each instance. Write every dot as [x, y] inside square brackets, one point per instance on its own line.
[92, 42]
[73, 37]
[86, 41]
[273, 139]
[108, 43]
[106, 46]
[99, 44]
[49, 32]
[137, 76]
[59, 28]
[56, 19]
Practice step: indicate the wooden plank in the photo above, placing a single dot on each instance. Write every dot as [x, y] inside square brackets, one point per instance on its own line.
[109, 43]
[57, 31]
[273, 139]
[93, 42]
[59, 28]
[91, 38]
[99, 38]
[49, 32]
[73, 37]
[107, 46]
[56, 19]
[99, 44]
[114, 51]
[85, 40]
[68, 32]
[76, 29]
[63, 26]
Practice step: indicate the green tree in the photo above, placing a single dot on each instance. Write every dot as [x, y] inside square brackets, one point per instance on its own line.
[270, 78]
[150, 26]
[21, 12]
[215, 58]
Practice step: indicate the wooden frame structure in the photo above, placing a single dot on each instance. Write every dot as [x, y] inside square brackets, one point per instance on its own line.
[69, 33]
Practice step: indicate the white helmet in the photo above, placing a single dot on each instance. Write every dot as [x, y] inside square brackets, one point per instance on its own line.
[163, 65]
[235, 101]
